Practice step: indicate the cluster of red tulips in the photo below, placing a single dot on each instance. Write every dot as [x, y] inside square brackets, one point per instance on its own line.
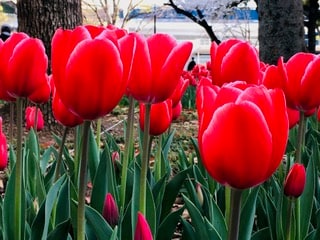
[246, 109]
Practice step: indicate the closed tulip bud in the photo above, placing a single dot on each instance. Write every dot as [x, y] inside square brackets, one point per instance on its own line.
[34, 117]
[295, 181]
[3, 149]
[142, 231]
[110, 210]
[199, 193]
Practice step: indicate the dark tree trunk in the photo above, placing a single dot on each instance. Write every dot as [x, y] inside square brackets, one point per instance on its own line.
[40, 18]
[281, 29]
[311, 24]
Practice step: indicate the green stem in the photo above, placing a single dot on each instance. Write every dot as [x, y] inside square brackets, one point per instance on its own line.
[227, 196]
[158, 162]
[99, 122]
[82, 182]
[300, 148]
[59, 160]
[18, 176]
[127, 151]
[289, 219]
[234, 221]
[145, 160]
[35, 120]
[301, 136]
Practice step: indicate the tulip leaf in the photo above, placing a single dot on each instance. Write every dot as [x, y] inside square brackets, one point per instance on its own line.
[169, 224]
[104, 181]
[188, 231]
[61, 231]
[167, 143]
[261, 234]
[271, 212]
[306, 199]
[172, 189]
[34, 179]
[9, 228]
[96, 223]
[40, 225]
[197, 219]
[63, 203]
[247, 215]
[93, 155]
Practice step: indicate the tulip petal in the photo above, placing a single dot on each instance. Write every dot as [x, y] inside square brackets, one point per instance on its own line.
[237, 143]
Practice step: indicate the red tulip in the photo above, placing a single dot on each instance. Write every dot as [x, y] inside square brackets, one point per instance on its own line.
[3, 149]
[179, 91]
[160, 117]
[92, 67]
[234, 60]
[157, 67]
[176, 111]
[243, 132]
[23, 65]
[302, 89]
[110, 210]
[295, 181]
[34, 117]
[142, 231]
[62, 114]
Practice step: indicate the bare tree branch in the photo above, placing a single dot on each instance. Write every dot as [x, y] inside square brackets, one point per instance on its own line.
[199, 20]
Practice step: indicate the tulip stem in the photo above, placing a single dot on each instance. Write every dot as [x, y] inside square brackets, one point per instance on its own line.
[158, 162]
[59, 161]
[98, 134]
[82, 182]
[301, 133]
[234, 221]
[289, 219]
[145, 160]
[127, 151]
[227, 196]
[18, 176]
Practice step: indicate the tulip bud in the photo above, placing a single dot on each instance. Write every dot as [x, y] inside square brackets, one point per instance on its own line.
[31, 114]
[295, 181]
[3, 149]
[142, 231]
[110, 210]
[199, 193]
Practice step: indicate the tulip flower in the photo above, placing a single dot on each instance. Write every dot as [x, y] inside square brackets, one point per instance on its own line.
[234, 60]
[176, 111]
[156, 70]
[23, 65]
[3, 149]
[243, 132]
[91, 67]
[301, 86]
[179, 91]
[160, 118]
[62, 114]
[295, 181]
[110, 210]
[34, 118]
[142, 231]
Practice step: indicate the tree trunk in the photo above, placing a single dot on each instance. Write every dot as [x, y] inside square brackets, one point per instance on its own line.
[40, 18]
[281, 29]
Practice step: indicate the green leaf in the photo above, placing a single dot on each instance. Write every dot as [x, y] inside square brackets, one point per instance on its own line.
[62, 211]
[61, 231]
[172, 189]
[40, 226]
[262, 234]
[34, 178]
[104, 181]
[97, 224]
[247, 215]
[197, 219]
[9, 228]
[306, 199]
[93, 155]
[188, 231]
[169, 224]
